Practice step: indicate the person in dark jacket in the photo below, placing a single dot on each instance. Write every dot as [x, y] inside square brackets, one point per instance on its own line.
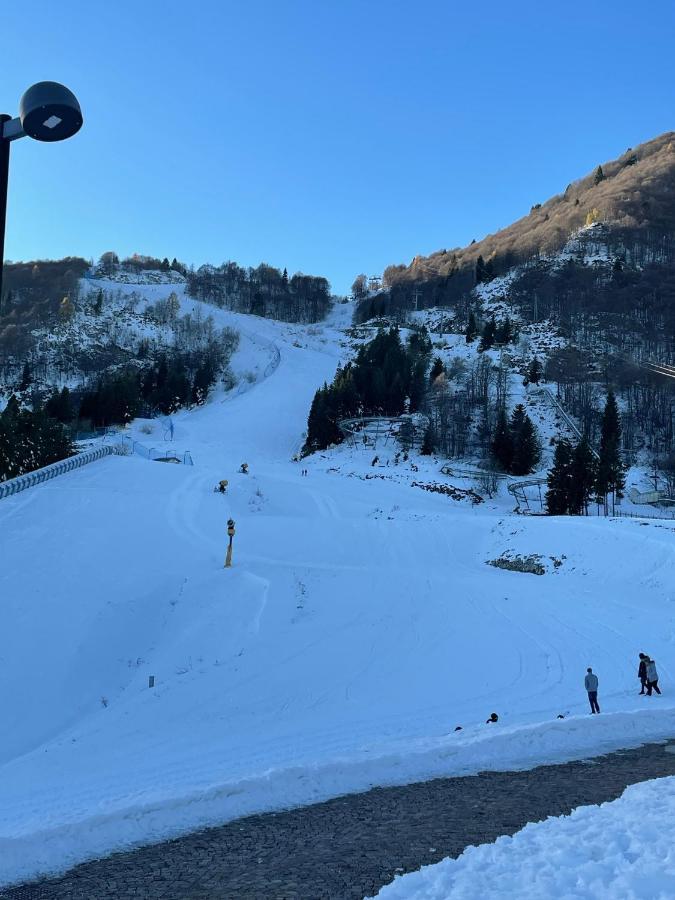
[642, 673]
[493, 718]
[591, 685]
[652, 677]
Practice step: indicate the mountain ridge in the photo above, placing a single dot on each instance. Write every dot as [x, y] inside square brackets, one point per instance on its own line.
[634, 192]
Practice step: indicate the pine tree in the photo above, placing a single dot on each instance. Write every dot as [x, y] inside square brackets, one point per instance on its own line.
[26, 377]
[526, 448]
[582, 478]
[559, 480]
[429, 441]
[502, 442]
[610, 477]
[534, 371]
[599, 175]
[481, 274]
[488, 336]
[471, 328]
[504, 332]
[98, 303]
[436, 369]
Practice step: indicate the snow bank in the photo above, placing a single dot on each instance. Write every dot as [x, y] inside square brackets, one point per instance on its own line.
[54, 846]
[622, 850]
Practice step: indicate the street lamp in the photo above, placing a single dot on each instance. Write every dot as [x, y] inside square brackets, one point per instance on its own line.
[48, 112]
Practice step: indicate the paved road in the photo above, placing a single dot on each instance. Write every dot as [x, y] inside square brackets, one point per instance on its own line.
[349, 847]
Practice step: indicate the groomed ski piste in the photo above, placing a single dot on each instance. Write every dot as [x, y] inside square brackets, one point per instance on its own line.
[358, 625]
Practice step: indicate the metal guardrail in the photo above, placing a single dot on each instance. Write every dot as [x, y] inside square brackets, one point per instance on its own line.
[518, 491]
[461, 472]
[38, 476]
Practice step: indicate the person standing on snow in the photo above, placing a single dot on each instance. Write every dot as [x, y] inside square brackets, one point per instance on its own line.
[591, 685]
[642, 673]
[652, 676]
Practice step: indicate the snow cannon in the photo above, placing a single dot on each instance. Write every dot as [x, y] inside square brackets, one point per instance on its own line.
[230, 534]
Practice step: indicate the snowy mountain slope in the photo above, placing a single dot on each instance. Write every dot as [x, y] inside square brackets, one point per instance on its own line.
[359, 624]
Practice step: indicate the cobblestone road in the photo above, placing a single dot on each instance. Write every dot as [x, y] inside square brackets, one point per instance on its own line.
[349, 847]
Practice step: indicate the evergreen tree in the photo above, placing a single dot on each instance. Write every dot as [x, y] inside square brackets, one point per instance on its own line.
[418, 385]
[487, 338]
[471, 328]
[481, 274]
[429, 441]
[26, 377]
[59, 406]
[502, 442]
[98, 303]
[610, 476]
[599, 175]
[436, 369]
[534, 371]
[526, 449]
[559, 480]
[284, 279]
[504, 332]
[582, 478]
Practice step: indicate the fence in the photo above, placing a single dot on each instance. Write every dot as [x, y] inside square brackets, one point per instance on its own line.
[21, 482]
[161, 454]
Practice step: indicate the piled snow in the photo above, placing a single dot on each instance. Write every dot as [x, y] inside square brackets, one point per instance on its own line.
[358, 625]
[622, 850]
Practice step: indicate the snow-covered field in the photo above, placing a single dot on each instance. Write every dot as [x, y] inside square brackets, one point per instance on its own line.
[357, 627]
[622, 849]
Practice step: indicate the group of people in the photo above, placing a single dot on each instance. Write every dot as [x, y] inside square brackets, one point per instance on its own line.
[647, 673]
[649, 677]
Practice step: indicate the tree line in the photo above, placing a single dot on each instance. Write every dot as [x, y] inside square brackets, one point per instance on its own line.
[387, 378]
[262, 291]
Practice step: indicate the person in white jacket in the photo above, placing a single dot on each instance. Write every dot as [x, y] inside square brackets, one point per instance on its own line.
[591, 685]
[652, 676]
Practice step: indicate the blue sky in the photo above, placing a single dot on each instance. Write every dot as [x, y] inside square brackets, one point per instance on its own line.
[328, 137]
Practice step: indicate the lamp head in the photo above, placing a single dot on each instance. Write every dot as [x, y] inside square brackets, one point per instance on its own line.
[50, 112]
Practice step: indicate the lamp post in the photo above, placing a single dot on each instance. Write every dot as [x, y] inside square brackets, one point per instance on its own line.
[48, 112]
[230, 534]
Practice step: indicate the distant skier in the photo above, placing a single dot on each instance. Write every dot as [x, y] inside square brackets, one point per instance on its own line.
[493, 718]
[652, 676]
[642, 673]
[591, 685]
[244, 469]
[221, 487]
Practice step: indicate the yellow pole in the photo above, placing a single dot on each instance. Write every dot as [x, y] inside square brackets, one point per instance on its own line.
[230, 534]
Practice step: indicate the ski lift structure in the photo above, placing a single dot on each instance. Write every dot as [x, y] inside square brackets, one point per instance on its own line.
[378, 431]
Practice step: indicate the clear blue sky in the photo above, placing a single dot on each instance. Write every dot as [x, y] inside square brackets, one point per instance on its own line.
[328, 137]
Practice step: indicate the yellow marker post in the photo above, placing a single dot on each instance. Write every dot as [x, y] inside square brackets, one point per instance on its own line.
[230, 534]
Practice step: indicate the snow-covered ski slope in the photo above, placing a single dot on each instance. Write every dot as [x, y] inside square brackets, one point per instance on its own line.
[358, 626]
